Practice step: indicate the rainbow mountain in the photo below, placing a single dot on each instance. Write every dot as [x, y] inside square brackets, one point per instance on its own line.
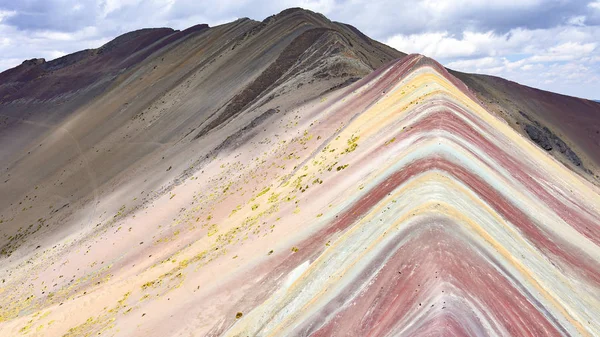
[345, 189]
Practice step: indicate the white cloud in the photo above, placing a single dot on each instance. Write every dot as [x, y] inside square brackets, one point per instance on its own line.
[445, 7]
[517, 39]
[6, 63]
[53, 54]
[433, 44]
[16, 46]
[564, 52]
[576, 20]
[565, 43]
[83, 34]
[110, 6]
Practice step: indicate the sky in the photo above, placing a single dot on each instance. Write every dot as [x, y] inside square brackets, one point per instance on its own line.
[547, 44]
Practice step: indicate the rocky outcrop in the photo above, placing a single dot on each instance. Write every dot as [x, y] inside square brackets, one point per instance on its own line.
[548, 115]
[290, 177]
[548, 140]
[539, 137]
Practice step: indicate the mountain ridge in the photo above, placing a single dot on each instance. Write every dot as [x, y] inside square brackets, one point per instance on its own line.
[579, 153]
[286, 177]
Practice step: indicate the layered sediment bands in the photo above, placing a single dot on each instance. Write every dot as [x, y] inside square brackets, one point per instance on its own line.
[572, 122]
[446, 222]
[396, 206]
[267, 78]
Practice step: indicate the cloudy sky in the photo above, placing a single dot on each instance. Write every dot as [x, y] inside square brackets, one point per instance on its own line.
[549, 44]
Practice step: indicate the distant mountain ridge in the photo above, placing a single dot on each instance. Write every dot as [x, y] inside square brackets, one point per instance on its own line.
[291, 177]
[71, 80]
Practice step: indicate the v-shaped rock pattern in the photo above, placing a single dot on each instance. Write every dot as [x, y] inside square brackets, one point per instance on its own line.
[396, 207]
[455, 226]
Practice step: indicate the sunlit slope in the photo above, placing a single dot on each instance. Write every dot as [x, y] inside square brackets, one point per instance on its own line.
[440, 220]
[395, 207]
[566, 127]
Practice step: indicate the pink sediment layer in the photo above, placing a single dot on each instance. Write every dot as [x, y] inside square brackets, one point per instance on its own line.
[405, 209]
[430, 279]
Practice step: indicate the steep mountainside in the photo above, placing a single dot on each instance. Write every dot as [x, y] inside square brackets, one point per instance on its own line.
[567, 127]
[290, 177]
[77, 127]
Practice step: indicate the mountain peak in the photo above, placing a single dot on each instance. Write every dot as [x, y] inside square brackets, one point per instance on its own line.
[291, 177]
[33, 62]
[297, 13]
[132, 36]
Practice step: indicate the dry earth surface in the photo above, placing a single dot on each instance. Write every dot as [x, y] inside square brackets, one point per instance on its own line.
[291, 177]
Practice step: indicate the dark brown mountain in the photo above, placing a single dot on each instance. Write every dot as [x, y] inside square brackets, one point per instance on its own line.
[286, 177]
[567, 127]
